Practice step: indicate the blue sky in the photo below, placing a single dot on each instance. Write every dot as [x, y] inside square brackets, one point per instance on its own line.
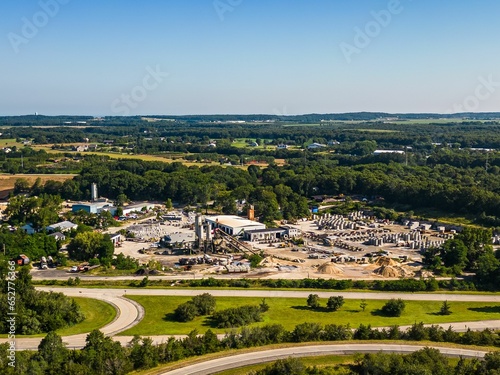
[248, 56]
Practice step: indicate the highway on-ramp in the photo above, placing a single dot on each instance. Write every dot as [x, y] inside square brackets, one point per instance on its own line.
[129, 313]
[247, 359]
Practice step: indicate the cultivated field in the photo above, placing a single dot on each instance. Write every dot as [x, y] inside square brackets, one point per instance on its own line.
[7, 181]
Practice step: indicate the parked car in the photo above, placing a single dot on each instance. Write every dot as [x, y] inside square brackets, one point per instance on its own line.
[74, 269]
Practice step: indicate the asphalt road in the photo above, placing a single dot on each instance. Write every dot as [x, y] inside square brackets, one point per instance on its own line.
[129, 313]
[275, 293]
[247, 359]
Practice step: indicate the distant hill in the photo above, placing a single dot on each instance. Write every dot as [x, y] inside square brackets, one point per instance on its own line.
[67, 120]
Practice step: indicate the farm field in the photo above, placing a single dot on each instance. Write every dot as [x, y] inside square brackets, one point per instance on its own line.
[115, 155]
[289, 312]
[10, 142]
[168, 158]
[7, 181]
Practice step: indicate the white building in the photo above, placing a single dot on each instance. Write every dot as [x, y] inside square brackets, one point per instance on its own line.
[281, 233]
[138, 207]
[115, 238]
[233, 225]
[380, 152]
[315, 146]
[58, 236]
[63, 226]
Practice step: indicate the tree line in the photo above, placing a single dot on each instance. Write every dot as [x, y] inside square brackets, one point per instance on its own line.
[424, 361]
[37, 312]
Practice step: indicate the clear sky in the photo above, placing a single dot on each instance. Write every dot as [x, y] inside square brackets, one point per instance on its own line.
[116, 57]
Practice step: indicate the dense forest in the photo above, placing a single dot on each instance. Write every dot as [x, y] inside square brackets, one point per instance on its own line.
[283, 192]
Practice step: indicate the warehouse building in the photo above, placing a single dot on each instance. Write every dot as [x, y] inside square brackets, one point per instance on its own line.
[271, 234]
[233, 225]
[63, 226]
[94, 207]
[138, 207]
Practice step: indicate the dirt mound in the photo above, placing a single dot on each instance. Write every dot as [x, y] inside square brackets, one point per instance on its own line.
[329, 269]
[387, 271]
[393, 271]
[386, 261]
[268, 262]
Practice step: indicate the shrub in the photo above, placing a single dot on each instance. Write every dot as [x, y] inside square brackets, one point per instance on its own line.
[335, 303]
[313, 301]
[394, 307]
[307, 332]
[263, 305]
[204, 303]
[185, 312]
[445, 308]
[237, 317]
[334, 332]
[144, 282]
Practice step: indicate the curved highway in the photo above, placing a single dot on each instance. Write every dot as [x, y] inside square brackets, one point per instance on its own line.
[247, 359]
[129, 313]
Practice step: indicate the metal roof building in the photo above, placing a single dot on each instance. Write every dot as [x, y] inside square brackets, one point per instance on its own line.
[233, 225]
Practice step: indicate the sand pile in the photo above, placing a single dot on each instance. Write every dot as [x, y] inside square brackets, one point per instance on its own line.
[329, 269]
[386, 261]
[393, 271]
[268, 262]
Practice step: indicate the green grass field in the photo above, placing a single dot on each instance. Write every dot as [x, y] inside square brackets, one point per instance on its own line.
[292, 311]
[97, 315]
[243, 143]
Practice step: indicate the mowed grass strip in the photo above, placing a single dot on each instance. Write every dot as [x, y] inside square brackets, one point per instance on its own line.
[97, 314]
[289, 312]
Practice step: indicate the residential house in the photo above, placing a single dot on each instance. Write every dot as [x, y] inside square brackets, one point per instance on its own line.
[28, 228]
[58, 236]
[81, 148]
